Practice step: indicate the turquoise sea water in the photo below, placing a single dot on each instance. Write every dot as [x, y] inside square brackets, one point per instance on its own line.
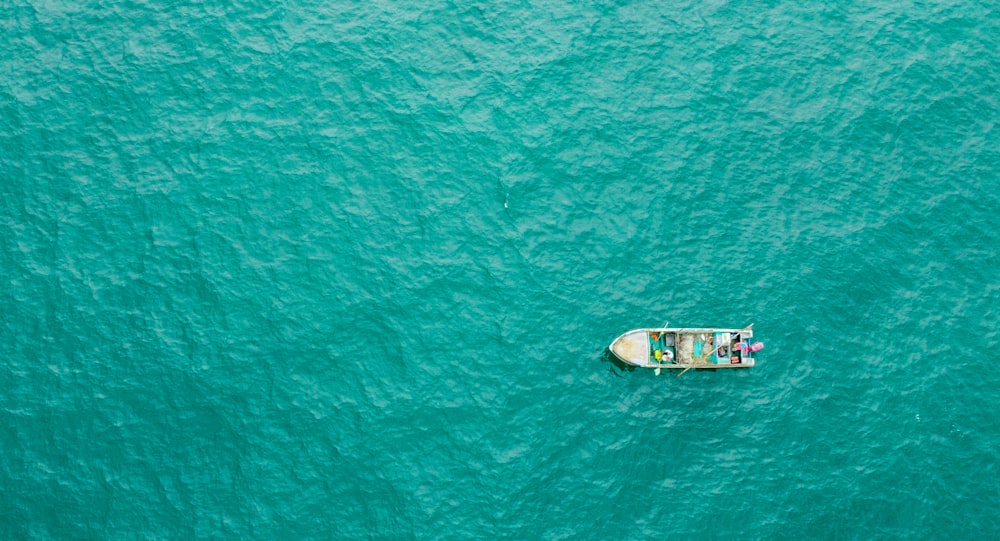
[348, 270]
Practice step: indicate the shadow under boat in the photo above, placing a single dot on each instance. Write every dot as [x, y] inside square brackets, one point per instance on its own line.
[615, 362]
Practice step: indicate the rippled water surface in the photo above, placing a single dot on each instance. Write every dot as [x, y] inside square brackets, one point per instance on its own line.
[348, 270]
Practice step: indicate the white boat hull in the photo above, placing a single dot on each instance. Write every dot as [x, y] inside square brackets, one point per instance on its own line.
[685, 348]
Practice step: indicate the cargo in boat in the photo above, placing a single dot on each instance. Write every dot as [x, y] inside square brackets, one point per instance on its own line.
[683, 348]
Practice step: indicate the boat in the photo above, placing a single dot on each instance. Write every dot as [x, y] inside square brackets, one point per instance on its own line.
[687, 348]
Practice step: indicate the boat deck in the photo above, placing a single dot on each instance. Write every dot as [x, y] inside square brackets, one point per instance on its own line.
[684, 348]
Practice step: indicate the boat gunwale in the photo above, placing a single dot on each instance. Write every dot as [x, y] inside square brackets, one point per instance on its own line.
[685, 330]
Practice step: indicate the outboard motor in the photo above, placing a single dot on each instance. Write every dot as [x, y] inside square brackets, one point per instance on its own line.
[750, 348]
